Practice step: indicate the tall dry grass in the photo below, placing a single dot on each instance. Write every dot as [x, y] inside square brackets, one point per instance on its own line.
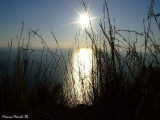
[124, 78]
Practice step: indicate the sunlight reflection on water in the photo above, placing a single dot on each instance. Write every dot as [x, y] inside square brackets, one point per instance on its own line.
[80, 78]
[82, 65]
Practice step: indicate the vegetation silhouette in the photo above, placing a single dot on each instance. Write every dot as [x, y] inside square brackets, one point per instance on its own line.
[125, 82]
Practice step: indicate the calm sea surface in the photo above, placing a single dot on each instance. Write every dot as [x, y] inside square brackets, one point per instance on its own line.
[71, 67]
[67, 66]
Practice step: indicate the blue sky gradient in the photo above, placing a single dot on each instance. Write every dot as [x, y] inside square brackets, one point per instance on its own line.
[56, 15]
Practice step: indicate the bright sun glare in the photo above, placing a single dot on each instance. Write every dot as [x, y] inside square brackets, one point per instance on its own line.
[84, 20]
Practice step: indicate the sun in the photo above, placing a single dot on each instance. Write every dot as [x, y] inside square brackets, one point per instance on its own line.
[84, 20]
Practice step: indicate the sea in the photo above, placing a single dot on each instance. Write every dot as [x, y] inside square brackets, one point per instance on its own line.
[71, 67]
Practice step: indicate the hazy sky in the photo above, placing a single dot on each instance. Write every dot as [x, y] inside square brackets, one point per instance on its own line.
[56, 15]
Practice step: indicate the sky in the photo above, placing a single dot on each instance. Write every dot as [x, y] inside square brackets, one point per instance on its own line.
[57, 16]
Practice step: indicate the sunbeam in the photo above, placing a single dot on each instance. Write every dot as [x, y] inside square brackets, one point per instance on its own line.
[85, 18]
